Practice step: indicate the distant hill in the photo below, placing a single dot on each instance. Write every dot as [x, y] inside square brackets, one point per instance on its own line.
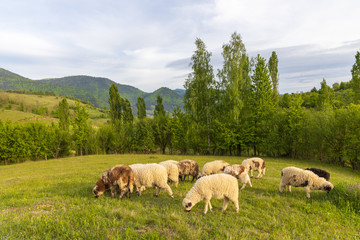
[92, 89]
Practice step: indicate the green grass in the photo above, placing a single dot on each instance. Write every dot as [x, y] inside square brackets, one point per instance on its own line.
[53, 200]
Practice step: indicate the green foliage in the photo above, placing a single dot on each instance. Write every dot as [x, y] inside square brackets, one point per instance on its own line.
[81, 128]
[273, 69]
[141, 108]
[355, 80]
[64, 115]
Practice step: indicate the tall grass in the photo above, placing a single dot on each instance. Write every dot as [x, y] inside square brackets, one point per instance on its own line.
[53, 200]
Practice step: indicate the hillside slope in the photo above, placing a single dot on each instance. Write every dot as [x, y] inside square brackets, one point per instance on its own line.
[87, 88]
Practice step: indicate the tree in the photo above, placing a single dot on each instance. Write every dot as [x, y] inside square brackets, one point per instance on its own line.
[262, 99]
[127, 111]
[273, 68]
[64, 115]
[326, 95]
[80, 126]
[161, 125]
[115, 103]
[199, 95]
[159, 107]
[233, 77]
[355, 73]
[141, 107]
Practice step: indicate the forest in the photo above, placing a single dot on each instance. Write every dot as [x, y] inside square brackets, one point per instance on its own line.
[236, 111]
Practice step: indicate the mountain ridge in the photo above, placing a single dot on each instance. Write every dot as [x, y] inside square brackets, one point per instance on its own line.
[92, 89]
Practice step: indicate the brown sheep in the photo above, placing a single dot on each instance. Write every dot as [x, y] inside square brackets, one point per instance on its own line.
[120, 176]
[188, 168]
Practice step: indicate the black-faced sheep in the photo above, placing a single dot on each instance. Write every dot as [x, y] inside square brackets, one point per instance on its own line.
[188, 168]
[292, 176]
[218, 186]
[255, 164]
[120, 176]
[320, 173]
[173, 172]
[151, 175]
[213, 167]
[240, 172]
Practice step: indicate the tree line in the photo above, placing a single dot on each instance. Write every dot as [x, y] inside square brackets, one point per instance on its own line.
[237, 111]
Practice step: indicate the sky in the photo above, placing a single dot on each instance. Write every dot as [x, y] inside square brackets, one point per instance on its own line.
[148, 44]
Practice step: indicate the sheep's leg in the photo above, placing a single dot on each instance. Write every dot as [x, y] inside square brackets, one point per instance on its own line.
[281, 187]
[113, 191]
[138, 189]
[307, 190]
[251, 173]
[289, 187]
[157, 191]
[250, 183]
[243, 186]
[122, 192]
[168, 189]
[207, 202]
[193, 178]
[226, 202]
[259, 175]
[210, 206]
[236, 203]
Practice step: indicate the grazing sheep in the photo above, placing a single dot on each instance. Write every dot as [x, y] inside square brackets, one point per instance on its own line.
[218, 186]
[173, 172]
[136, 165]
[213, 167]
[120, 176]
[151, 175]
[255, 164]
[240, 172]
[320, 173]
[188, 168]
[292, 176]
[170, 161]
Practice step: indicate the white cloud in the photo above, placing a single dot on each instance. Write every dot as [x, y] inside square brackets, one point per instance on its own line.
[149, 44]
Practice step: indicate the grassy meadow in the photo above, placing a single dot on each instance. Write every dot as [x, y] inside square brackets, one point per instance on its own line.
[53, 200]
[20, 108]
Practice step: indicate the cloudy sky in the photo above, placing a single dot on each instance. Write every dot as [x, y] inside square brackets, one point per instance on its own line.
[148, 43]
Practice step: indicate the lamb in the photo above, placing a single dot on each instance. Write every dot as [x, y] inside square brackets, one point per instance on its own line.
[173, 172]
[240, 172]
[151, 175]
[120, 176]
[188, 168]
[320, 173]
[292, 176]
[255, 164]
[213, 168]
[218, 186]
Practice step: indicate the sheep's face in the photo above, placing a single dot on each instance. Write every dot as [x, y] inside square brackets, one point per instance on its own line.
[99, 188]
[187, 204]
[327, 187]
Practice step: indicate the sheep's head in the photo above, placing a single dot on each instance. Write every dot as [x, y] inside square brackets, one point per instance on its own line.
[327, 187]
[187, 204]
[99, 188]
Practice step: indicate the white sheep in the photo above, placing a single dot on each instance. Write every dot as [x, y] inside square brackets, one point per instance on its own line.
[255, 164]
[151, 175]
[170, 161]
[240, 172]
[173, 172]
[292, 176]
[218, 186]
[213, 167]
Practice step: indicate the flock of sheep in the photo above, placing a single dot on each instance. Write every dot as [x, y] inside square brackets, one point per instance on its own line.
[217, 179]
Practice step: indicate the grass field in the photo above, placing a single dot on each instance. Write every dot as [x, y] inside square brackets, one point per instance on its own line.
[53, 200]
[29, 102]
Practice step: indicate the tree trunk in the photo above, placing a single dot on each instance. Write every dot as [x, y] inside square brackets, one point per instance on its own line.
[239, 149]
